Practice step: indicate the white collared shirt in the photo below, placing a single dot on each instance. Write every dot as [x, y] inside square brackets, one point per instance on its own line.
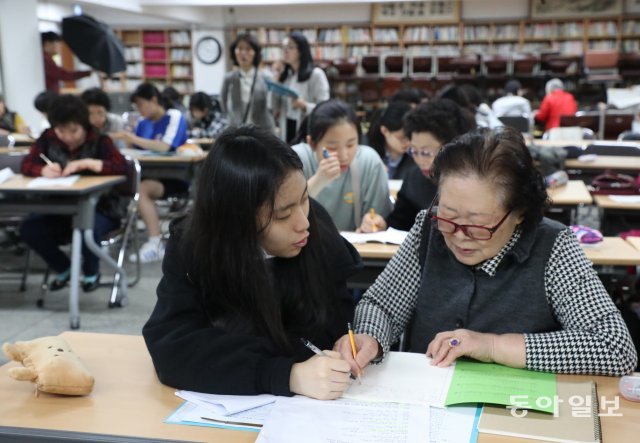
[246, 80]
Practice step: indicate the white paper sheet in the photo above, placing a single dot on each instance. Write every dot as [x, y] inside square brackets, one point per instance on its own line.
[300, 419]
[625, 198]
[6, 174]
[226, 404]
[395, 185]
[403, 377]
[391, 236]
[192, 414]
[60, 182]
[456, 424]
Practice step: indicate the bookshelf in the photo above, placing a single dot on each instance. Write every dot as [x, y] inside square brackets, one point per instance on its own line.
[567, 36]
[161, 56]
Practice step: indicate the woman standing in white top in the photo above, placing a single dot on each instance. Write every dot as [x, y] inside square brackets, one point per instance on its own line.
[244, 94]
[300, 75]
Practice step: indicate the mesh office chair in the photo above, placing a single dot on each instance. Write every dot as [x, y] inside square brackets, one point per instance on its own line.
[520, 123]
[628, 136]
[613, 149]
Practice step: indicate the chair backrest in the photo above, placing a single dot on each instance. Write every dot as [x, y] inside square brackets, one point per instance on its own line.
[601, 59]
[131, 187]
[422, 64]
[7, 141]
[614, 124]
[394, 64]
[12, 160]
[628, 135]
[565, 133]
[520, 123]
[613, 149]
[370, 64]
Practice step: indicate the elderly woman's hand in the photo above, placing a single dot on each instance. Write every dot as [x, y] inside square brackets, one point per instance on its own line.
[506, 349]
[367, 348]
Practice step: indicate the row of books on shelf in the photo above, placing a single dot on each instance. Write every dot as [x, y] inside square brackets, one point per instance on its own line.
[181, 71]
[631, 27]
[181, 55]
[330, 35]
[136, 53]
[180, 38]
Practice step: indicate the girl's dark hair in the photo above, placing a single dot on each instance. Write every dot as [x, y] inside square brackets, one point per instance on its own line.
[67, 109]
[411, 95]
[306, 60]
[442, 118]
[391, 118]
[325, 115]
[502, 157]
[171, 96]
[97, 97]
[200, 100]
[251, 41]
[147, 91]
[43, 101]
[240, 292]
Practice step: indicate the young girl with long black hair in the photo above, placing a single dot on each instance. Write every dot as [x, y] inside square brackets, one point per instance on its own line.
[254, 268]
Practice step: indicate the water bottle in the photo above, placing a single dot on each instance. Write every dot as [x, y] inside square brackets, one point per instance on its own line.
[558, 178]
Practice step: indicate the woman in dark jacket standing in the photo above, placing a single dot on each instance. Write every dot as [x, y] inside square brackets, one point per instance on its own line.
[253, 269]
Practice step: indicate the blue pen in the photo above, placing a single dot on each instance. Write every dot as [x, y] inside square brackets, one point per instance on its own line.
[325, 153]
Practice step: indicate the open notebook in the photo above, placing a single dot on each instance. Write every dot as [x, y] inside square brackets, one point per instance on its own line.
[577, 421]
[391, 236]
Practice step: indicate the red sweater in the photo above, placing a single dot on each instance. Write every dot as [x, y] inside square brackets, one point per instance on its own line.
[555, 105]
[54, 74]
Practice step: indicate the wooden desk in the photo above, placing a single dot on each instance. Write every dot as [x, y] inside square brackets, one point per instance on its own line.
[129, 404]
[602, 162]
[166, 166]
[78, 201]
[613, 251]
[22, 139]
[605, 202]
[574, 193]
[634, 241]
[16, 151]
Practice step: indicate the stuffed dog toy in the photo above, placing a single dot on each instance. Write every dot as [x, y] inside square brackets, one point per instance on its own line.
[51, 364]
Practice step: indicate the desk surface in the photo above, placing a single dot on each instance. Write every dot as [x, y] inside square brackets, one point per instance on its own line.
[605, 202]
[617, 162]
[17, 151]
[575, 192]
[128, 399]
[634, 241]
[144, 157]
[612, 251]
[84, 185]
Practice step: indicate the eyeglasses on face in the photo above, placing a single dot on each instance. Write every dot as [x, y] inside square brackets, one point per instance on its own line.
[420, 153]
[475, 232]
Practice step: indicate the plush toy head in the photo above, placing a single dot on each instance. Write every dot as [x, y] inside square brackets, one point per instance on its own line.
[51, 364]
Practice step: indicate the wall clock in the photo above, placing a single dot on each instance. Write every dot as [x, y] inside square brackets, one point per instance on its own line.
[208, 50]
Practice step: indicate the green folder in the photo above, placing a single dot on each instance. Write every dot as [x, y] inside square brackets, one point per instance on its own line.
[475, 382]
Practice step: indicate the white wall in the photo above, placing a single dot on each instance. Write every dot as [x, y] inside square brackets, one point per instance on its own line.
[494, 9]
[208, 78]
[22, 67]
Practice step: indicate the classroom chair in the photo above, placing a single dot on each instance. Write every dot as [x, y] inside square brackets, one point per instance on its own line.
[10, 223]
[466, 68]
[125, 235]
[394, 64]
[612, 149]
[628, 136]
[568, 133]
[601, 66]
[521, 123]
[371, 64]
[7, 141]
[421, 66]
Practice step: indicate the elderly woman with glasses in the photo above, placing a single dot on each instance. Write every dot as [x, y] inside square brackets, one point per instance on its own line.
[483, 274]
[428, 126]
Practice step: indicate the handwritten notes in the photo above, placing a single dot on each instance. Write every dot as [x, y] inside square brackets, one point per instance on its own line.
[301, 419]
[403, 377]
[59, 182]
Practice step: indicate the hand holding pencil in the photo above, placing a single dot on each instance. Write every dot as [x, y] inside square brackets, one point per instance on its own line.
[367, 348]
[51, 170]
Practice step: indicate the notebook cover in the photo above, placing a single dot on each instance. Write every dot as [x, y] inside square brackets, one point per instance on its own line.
[565, 428]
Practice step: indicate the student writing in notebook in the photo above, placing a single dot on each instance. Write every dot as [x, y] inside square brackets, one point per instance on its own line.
[72, 146]
[347, 178]
[255, 267]
[483, 274]
[162, 129]
[428, 127]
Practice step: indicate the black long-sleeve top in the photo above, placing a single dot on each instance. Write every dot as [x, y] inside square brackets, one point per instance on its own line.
[191, 352]
[416, 194]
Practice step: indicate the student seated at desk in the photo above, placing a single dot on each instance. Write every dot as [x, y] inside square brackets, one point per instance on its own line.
[72, 146]
[205, 121]
[428, 126]
[347, 178]
[389, 140]
[104, 121]
[483, 274]
[11, 121]
[256, 266]
[162, 130]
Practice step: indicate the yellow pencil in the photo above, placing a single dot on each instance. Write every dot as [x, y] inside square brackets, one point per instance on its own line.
[372, 213]
[354, 351]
